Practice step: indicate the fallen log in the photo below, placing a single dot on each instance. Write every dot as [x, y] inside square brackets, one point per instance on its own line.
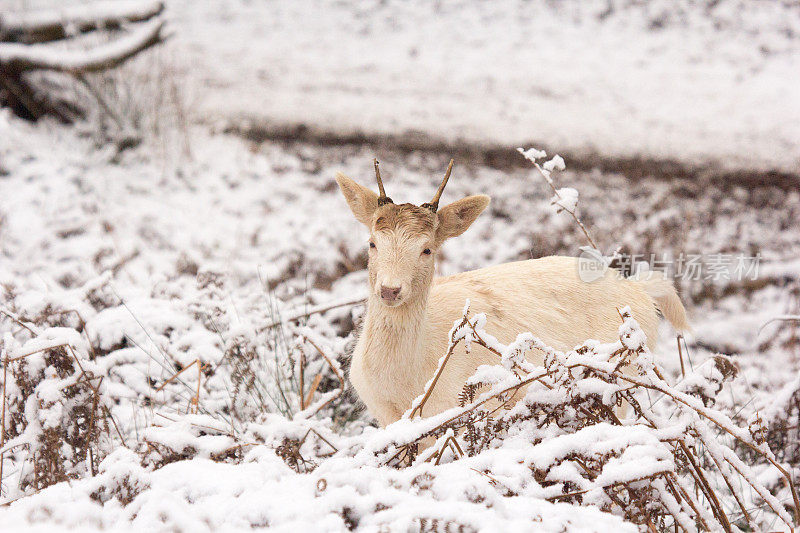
[18, 58]
[26, 45]
[47, 25]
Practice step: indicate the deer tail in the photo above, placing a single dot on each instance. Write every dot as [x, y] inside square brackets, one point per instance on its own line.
[662, 291]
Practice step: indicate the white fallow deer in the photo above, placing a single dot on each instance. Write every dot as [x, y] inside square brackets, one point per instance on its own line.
[410, 312]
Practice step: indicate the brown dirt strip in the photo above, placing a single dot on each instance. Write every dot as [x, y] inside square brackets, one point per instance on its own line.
[503, 157]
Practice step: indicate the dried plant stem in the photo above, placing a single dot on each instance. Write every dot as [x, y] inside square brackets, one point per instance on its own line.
[194, 401]
[298, 315]
[739, 502]
[310, 396]
[3, 422]
[323, 439]
[114, 423]
[702, 482]
[45, 465]
[680, 355]
[417, 410]
[175, 375]
[335, 371]
[546, 175]
[708, 414]
[782, 318]
[687, 498]
[220, 456]
[452, 443]
[302, 380]
[105, 106]
[19, 321]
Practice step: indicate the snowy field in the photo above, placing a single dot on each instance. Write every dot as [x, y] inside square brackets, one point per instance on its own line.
[709, 83]
[166, 268]
[191, 251]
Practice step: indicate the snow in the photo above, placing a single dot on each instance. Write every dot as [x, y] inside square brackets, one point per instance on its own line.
[532, 154]
[566, 198]
[172, 263]
[556, 163]
[196, 496]
[157, 315]
[688, 82]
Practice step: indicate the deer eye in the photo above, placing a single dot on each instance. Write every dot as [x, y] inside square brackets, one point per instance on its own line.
[371, 244]
[426, 251]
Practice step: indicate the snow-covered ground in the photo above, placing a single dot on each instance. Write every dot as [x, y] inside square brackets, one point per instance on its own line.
[201, 257]
[693, 82]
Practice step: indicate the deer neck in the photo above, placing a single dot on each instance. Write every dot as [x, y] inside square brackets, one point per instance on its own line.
[394, 335]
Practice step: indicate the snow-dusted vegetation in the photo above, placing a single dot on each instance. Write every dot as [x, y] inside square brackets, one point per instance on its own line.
[177, 313]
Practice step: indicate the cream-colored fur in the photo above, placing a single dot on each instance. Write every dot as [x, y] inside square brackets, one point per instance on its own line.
[401, 342]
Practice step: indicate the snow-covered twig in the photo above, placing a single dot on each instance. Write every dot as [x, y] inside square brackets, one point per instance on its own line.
[781, 318]
[566, 199]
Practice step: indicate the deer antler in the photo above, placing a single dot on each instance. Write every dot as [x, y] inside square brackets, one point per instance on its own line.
[382, 198]
[433, 205]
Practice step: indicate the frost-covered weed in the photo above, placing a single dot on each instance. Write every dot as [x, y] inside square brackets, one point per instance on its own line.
[54, 407]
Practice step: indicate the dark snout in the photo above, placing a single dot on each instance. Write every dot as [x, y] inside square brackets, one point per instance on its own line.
[389, 294]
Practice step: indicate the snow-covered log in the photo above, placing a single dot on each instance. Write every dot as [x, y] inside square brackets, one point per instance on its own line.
[19, 57]
[54, 24]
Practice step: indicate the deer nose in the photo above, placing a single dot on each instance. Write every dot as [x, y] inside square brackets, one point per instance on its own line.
[390, 294]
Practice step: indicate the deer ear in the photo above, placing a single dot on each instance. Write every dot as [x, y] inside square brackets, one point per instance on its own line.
[455, 218]
[362, 201]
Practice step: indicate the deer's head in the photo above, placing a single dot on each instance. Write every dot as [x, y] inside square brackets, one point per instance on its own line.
[404, 238]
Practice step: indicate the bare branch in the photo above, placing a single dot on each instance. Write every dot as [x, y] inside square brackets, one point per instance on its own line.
[294, 316]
